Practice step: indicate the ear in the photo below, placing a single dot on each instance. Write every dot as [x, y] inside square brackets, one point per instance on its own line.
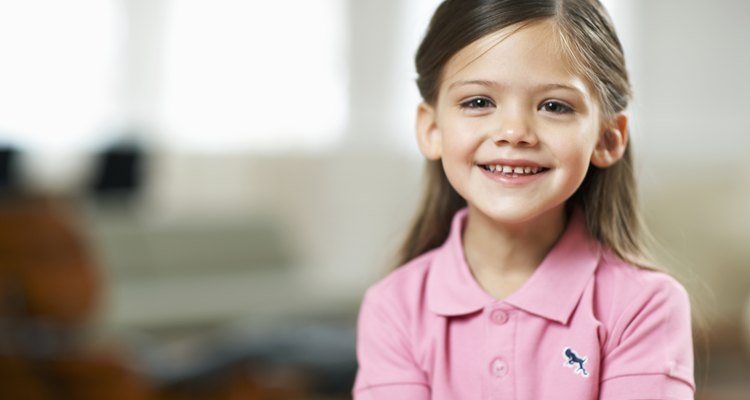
[428, 134]
[613, 140]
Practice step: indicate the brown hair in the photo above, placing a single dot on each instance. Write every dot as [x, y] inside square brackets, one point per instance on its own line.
[588, 39]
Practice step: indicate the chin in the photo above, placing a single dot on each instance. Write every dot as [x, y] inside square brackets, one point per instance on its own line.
[519, 214]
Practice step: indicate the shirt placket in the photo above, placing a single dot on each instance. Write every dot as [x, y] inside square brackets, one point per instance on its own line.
[500, 366]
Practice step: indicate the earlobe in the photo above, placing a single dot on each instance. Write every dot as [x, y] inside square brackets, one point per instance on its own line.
[612, 143]
[428, 134]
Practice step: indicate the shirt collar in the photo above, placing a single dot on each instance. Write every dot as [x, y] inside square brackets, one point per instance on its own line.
[552, 292]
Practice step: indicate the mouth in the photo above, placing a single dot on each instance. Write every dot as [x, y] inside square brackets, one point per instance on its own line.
[513, 171]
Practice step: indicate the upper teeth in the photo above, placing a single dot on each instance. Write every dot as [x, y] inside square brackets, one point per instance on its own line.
[513, 170]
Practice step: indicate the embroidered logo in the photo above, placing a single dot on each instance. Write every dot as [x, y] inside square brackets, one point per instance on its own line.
[574, 360]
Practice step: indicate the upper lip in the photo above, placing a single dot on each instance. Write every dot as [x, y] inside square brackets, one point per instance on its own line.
[512, 163]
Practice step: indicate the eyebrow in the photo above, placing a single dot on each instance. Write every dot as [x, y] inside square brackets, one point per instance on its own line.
[544, 86]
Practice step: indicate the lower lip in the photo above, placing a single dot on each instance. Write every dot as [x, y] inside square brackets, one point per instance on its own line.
[512, 180]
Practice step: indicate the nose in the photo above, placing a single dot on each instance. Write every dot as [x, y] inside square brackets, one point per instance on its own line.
[514, 127]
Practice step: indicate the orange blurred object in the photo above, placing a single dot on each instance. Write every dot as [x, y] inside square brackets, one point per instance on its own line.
[49, 291]
[45, 262]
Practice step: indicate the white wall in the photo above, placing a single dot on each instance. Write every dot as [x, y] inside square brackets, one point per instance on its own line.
[694, 81]
[693, 144]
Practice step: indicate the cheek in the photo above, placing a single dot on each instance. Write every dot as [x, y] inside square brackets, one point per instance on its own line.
[456, 174]
[460, 141]
[575, 153]
[578, 139]
[459, 153]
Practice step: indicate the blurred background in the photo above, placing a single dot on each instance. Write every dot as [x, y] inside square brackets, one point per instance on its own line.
[195, 194]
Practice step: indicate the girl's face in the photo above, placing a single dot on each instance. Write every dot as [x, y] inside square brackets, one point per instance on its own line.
[516, 129]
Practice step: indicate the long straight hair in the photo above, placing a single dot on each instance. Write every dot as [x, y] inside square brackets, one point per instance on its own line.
[586, 35]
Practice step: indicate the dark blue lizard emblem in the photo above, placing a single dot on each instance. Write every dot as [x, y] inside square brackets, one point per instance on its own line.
[573, 359]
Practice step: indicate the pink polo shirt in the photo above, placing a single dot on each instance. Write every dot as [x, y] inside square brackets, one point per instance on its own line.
[586, 325]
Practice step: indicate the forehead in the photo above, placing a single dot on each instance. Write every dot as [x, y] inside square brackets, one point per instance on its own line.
[529, 53]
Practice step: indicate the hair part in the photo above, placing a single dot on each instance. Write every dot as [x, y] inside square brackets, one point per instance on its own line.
[587, 38]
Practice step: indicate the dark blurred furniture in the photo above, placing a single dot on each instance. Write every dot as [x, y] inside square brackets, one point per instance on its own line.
[9, 181]
[49, 290]
[119, 172]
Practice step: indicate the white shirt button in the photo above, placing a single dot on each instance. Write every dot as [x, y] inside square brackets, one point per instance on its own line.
[498, 368]
[499, 317]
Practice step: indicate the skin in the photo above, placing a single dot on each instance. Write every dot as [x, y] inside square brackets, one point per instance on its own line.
[512, 97]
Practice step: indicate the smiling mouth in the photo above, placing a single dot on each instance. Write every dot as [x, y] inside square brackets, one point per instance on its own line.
[510, 171]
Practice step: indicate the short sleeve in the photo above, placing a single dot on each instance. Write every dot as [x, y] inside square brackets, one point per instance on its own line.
[387, 369]
[651, 356]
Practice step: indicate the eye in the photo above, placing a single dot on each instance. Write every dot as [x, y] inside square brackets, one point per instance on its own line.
[477, 103]
[556, 107]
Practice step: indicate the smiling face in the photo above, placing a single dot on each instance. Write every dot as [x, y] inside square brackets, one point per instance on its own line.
[515, 128]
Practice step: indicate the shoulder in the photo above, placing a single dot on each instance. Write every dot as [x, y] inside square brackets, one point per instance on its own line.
[391, 312]
[640, 305]
[402, 289]
[385, 335]
[624, 283]
[648, 325]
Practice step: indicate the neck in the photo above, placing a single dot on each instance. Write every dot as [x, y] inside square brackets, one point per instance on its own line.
[502, 256]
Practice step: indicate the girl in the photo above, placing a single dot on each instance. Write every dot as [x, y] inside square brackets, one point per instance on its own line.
[524, 273]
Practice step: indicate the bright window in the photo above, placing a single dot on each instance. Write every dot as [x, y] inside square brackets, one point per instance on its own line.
[58, 72]
[252, 75]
